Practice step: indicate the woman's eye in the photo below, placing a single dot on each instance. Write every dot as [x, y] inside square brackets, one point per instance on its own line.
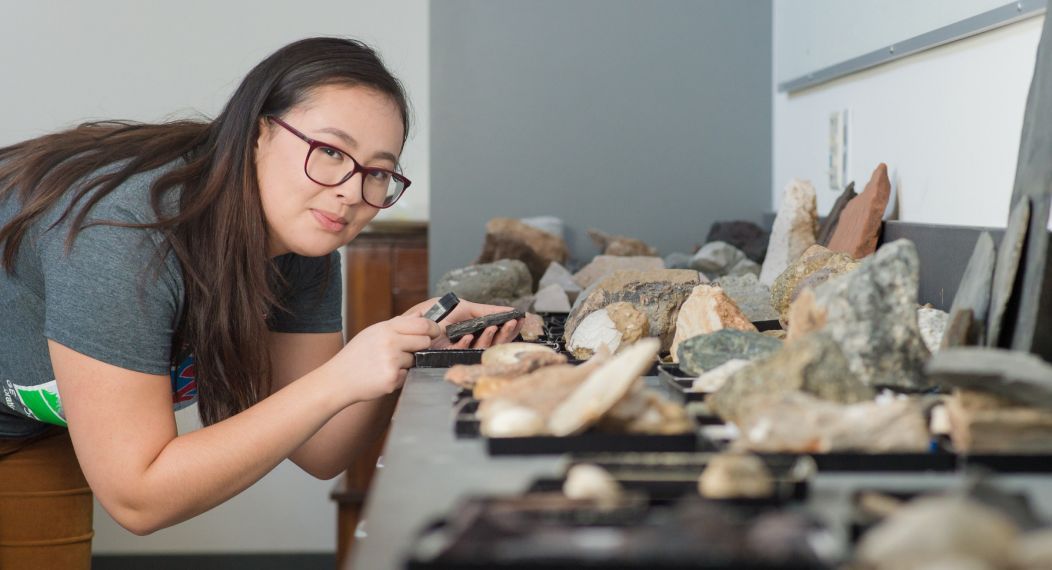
[380, 176]
[331, 152]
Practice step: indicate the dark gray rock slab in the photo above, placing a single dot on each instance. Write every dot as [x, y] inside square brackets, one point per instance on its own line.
[1006, 271]
[1019, 377]
[827, 226]
[456, 331]
[973, 293]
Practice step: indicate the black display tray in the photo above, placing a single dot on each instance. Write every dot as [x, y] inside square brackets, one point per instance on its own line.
[939, 461]
[1007, 462]
[771, 325]
[591, 442]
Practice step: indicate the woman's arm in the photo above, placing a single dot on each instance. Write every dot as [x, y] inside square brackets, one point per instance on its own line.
[147, 477]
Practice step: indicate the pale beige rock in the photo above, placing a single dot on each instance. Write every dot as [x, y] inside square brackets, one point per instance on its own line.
[714, 379]
[794, 230]
[508, 353]
[708, 309]
[615, 326]
[593, 483]
[645, 411]
[532, 327]
[984, 423]
[551, 299]
[603, 265]
[736, 476]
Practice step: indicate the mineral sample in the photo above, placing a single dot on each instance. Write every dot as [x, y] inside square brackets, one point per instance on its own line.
[615, 326]
[793, 232]
[706, 352]
[658, 293]
[591, 482]
[973, 295]
[540, 391]
[984, 423]
[736, 476]
[549, 224]
[1018, 377]
[604, 265]
[499, 283]
[707, 309]
[746, 236]
[620, 245]
[716, 259]
[456, 331]
[859, 227]
[532, 327]
[677, 260]
[871, 312]
[551, 299]
[556, 274]
[751, 296]
[932, 323]
[511, 352]
[507, 238]
[1006, 271]
[714, 379]
[816, 266]
[826, 228]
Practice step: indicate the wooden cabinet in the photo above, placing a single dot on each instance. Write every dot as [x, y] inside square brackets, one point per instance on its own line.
[386, 274]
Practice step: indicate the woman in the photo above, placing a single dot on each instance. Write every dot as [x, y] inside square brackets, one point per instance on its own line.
[149, 264]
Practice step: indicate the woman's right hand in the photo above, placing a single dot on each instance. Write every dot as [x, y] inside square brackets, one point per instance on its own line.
[377, 360]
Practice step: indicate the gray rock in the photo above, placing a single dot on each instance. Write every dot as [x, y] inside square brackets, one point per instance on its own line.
[556, 274]
[872, 313]
[716, 258]
[658, 293]
[813, 364]
[793, 231]
[1006, 270]
[1019, 377]
[551, 299]
[677, 260]
[932, 324]
[973, 293]
[828, 226]
[549, 224]
[745, 267]
[707, 351]
[744, 235]
[752, 297]
[498, 283]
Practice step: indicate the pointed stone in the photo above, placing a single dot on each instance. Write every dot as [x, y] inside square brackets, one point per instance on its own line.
[708, 351]
[794, 230]
[858, 229]
[816, 266]
[744, 235]
[551, 299]
[828, 225]
[932, 324]
[620, 245]
[751, 296]
[558, 275]
[871, 312]
[1006, 270]
[603, 265]
[707, 310]
[507, 238]
[973, 292]
[498, 283]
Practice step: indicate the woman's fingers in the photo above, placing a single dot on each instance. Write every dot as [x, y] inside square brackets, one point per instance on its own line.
[486, 338]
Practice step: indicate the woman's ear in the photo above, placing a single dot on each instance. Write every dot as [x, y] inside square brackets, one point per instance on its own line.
[264, 130]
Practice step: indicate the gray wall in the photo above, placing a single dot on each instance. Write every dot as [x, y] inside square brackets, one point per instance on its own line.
[649, 119]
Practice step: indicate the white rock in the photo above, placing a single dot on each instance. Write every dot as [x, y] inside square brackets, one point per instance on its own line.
[556, 274]
[591, 482]
[551, 299]
[932, 323]
[597, 329]
[793, 231]
[517, 421]
[714, 379]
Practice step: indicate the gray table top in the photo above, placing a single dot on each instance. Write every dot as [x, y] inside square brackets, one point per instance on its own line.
[425, 470]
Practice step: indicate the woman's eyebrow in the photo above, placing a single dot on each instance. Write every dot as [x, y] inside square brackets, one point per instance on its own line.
[349, 140]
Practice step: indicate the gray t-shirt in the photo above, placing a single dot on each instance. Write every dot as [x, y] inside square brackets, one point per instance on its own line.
[109, 300]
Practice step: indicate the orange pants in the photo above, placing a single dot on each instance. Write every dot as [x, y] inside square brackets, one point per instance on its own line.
[45, 504]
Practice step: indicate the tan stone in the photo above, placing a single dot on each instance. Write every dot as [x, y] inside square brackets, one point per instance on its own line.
[620, 245]
[816, 266]
[708, 309]
[603, 265]
[984, 423]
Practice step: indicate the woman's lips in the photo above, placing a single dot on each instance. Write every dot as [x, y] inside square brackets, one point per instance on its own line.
[329, 223]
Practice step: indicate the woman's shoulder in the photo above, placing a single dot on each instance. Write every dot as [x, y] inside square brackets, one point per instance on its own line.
[131, 201]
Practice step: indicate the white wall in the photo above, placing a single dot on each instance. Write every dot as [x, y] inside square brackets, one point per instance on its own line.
[63, 62]
[946, 121]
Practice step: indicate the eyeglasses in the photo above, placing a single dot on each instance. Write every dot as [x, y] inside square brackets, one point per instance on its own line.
[330, 166]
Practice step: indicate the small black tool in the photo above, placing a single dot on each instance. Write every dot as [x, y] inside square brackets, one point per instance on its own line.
[443, 307]
[456, 331]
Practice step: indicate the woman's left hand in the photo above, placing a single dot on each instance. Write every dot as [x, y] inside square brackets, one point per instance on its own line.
[469, 310]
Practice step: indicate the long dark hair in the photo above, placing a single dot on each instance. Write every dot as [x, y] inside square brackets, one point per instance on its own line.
[219, 233]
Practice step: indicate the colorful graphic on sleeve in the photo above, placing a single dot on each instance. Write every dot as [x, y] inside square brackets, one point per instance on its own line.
[184, 384]
[38, 402]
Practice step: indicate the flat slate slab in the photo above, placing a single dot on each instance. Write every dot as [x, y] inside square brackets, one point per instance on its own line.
[1016, 376]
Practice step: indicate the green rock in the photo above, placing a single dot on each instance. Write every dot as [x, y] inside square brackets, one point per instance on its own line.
[705, 352]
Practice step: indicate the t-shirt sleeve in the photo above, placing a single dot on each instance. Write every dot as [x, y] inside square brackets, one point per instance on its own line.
[109, 298]
[313, 296]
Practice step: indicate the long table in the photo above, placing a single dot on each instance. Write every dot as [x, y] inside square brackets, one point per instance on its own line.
[425, 470]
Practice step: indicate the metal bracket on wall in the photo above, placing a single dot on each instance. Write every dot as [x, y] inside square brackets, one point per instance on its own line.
[984, 22]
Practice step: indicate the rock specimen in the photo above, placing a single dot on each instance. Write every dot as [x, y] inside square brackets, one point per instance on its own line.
[707, 309]
[793, 232]
[658, 293]
[708, 351]
[813, 364]
[746, 236]
[604, 265]
[973, 295]
[716, 258]
[499, 283]
[1018, 377]
[745, 267]
[858, 229]
[513, 410]
[871, 312]
[507, 238]
[593, 483]
[469, 375]
[614, 326]
[603, 389]
[751, 296]
[532, 327]
[1006, 271]
[556, 274]
[827, 226]
[984, 423]
[511, 352]
[456, 331]
[551, 299]
[549, 224]
[736, 476]
[816, 266]
[932, 324]
[940, 532]
[645, 411]
[714, 379]
[795, 422]
[677, 260]
[620, 245]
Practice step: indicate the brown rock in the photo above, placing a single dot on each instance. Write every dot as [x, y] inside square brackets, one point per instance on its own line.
[532, 327]
[828, 226]
[859, 227]
[985, 423]
[507, 238]
[816, 266]
[708, 309]
[620, 245]
[603, 265]
[540, 391]
[659, 294]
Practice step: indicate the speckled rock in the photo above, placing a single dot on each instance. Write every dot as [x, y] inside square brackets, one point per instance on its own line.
[871, 312]
[744, 235]
[620, 245]
[858, 229]
[658, 293]
[816, 266]
[508, 238]
[498, 283]
[603, 265]
[813, 364]
[708, 309]
[932, 324]
[705, 352]
[793, 231]
[751, 296]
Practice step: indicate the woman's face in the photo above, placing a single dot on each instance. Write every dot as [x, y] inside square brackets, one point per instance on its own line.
[303, 216]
